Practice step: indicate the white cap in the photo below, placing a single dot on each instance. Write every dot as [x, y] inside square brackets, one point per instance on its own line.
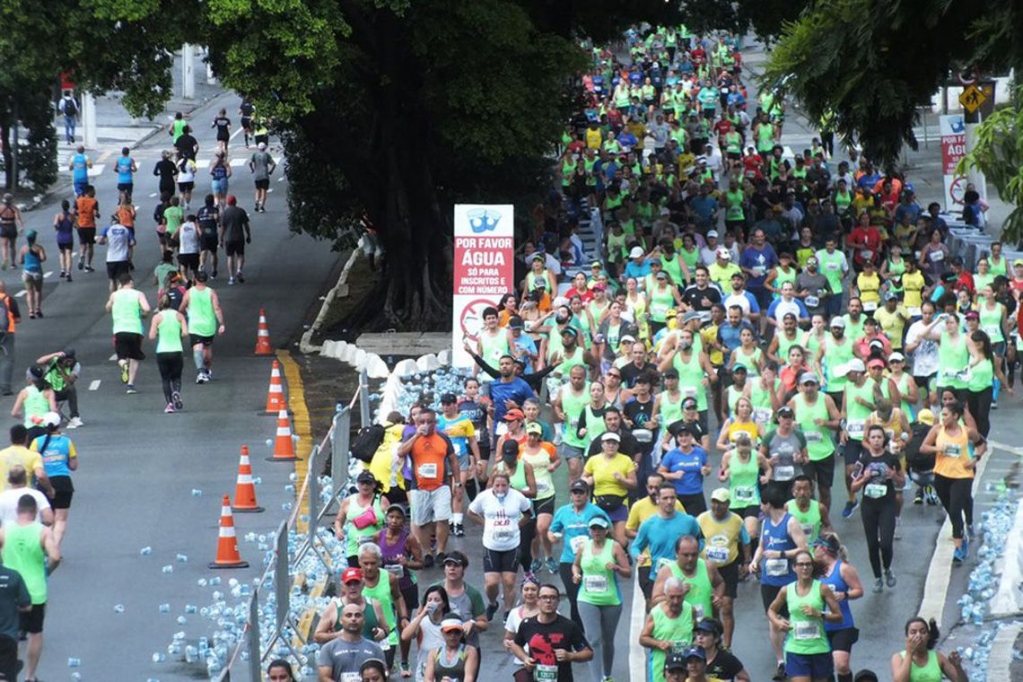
[637, 252]
[854, 365]
[713, 234]
[51, 419]
[724, 253]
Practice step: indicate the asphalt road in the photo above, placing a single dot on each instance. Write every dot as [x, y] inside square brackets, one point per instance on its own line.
[139, 465]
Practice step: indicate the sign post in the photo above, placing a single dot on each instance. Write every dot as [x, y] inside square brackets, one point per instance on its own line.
[953, 148]
[484, 269]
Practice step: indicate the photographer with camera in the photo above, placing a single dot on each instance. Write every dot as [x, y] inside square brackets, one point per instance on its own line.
[62, 370]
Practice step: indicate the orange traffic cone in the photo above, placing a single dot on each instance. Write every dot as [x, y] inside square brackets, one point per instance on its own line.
[275, 396]
[245, 490]
[263, 346]
[284, 448]
[227, 543]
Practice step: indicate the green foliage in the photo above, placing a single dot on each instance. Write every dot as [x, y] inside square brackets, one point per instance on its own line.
[998, 154]
[873, 64]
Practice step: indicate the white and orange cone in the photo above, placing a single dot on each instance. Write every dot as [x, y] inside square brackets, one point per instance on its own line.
[227, 542]
[284, 446]
[275, 396]
[263, 346]
[245, 489]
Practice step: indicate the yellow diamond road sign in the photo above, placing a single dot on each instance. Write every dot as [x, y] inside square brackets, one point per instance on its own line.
[972, 98]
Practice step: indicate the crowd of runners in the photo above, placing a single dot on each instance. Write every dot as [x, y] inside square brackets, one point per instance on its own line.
[793, 335]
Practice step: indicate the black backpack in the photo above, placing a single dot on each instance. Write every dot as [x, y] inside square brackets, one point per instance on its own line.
[366, 442]
[917, 460]
[69, 106]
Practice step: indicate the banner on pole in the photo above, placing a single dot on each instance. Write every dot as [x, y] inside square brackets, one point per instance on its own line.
[484, 269]
[953, 149]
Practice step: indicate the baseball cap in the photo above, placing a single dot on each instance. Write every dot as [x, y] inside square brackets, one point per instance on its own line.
[515, 322]
[896, 357]
[627, 338]
[739, 367]
[891, 296]
[662, 275]
[596, 264]
[709, 625]
[675, 662]
[785, 411]
[510, 447]
[611, 435]
[926, 417]
[262, 145]
[456, 558]
[534, 427]
[599, 522]
[973, 315]
[448, 399]
[689, 404]
[637, 252]
[670, 373]
[397, 508]
[721, 495]
[712, 234]
[696, 652]
[876, 362]
[724, 254]
[854, 365]
[690, 316]
[1018, 261]
[838, 322]
[866, 676]
[539, 256]
[569, 330]
[580, 484]
[366, 477]
[808, 378]
[351, 575]
[51, 419]
[512, 415]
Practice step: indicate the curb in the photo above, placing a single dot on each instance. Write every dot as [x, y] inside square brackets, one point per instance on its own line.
[1002, 652]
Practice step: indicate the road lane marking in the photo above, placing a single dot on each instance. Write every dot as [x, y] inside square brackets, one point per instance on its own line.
[939, 573]
[1008, 448]
[113, 357]
[95, 384]
[20, 293]
[47, 274]
[637, 616]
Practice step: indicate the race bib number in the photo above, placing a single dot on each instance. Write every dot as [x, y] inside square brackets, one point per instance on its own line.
[717, 555]
[806, 630]
[875, 491]
[937, 256]
[813, 436]
[870, 306]
[854, 428]
[744, 493]
[914, 312]
[953, 450]
[545, 673]
[503, 535]
[866, 254]
[678, 646]
[595, 584]
[395, 570]
[761, 415]
[777, 567]
[689, 391]
[351, 677]
[784, 473]
[427, 470]
[812, 301]
[992, 330]
[697, 611]
[831, 266]
[807, 530]
[658, 309]
[542, 487]
[577, 542]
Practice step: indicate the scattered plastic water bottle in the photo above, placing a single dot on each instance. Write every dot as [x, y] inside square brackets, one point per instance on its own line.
[145, 551]
[257, 481]
[196, 492]
[159, 657]
[76, 676]
[214, 581]
[182, 620]
[118, 608]
[168, 569]
[191, 654]
[191, 608]
[164, 608]
[181, 558]
[74, 662]
[202, 582]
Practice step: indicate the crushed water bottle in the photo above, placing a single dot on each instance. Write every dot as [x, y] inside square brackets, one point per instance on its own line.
[181, 558]
[196, 492]
[74, 662]
[164, 608]
[159, 657]
[190, 608]
[145, 551]
[118, 608]
[168, 568]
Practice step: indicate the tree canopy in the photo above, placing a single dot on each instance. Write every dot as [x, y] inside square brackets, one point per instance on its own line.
[872, 64]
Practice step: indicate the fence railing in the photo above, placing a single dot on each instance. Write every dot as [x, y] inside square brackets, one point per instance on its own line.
[276, 581]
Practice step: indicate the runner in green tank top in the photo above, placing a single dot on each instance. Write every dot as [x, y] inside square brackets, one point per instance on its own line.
[668, 407]
[29, 549]
[697, 574]
[834, 354]
[385, 590]
[813, 517]
[168, 328]
[816, 415]
[741, 467]
[693, 370]
[35, 400]
[857, 391]
[670, 621]
[953, 356]
[205, 320]
[128, 306]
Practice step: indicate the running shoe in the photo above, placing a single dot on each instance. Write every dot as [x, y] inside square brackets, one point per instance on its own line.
[75, 422]
[63, 274]
[428, 561]
[994, 404]
[230, 281]
[81, 264]
[491, 611]
[918, 498]
[898, 528]
[529, 577]
[441, 557]
[965, 549]
[552, 565]
[878, 585]
[124, 372]
[89, 268]
[957, 557]
[176, 399]
[241, 280]
[889, 578]
[406, 670]
[169, 409]
[131, 389]
[213, 275]
[459, 530]
[850, 507]
[779, 674]
[535, 566]
[39, 313]
[931, 497]
[69, 276]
